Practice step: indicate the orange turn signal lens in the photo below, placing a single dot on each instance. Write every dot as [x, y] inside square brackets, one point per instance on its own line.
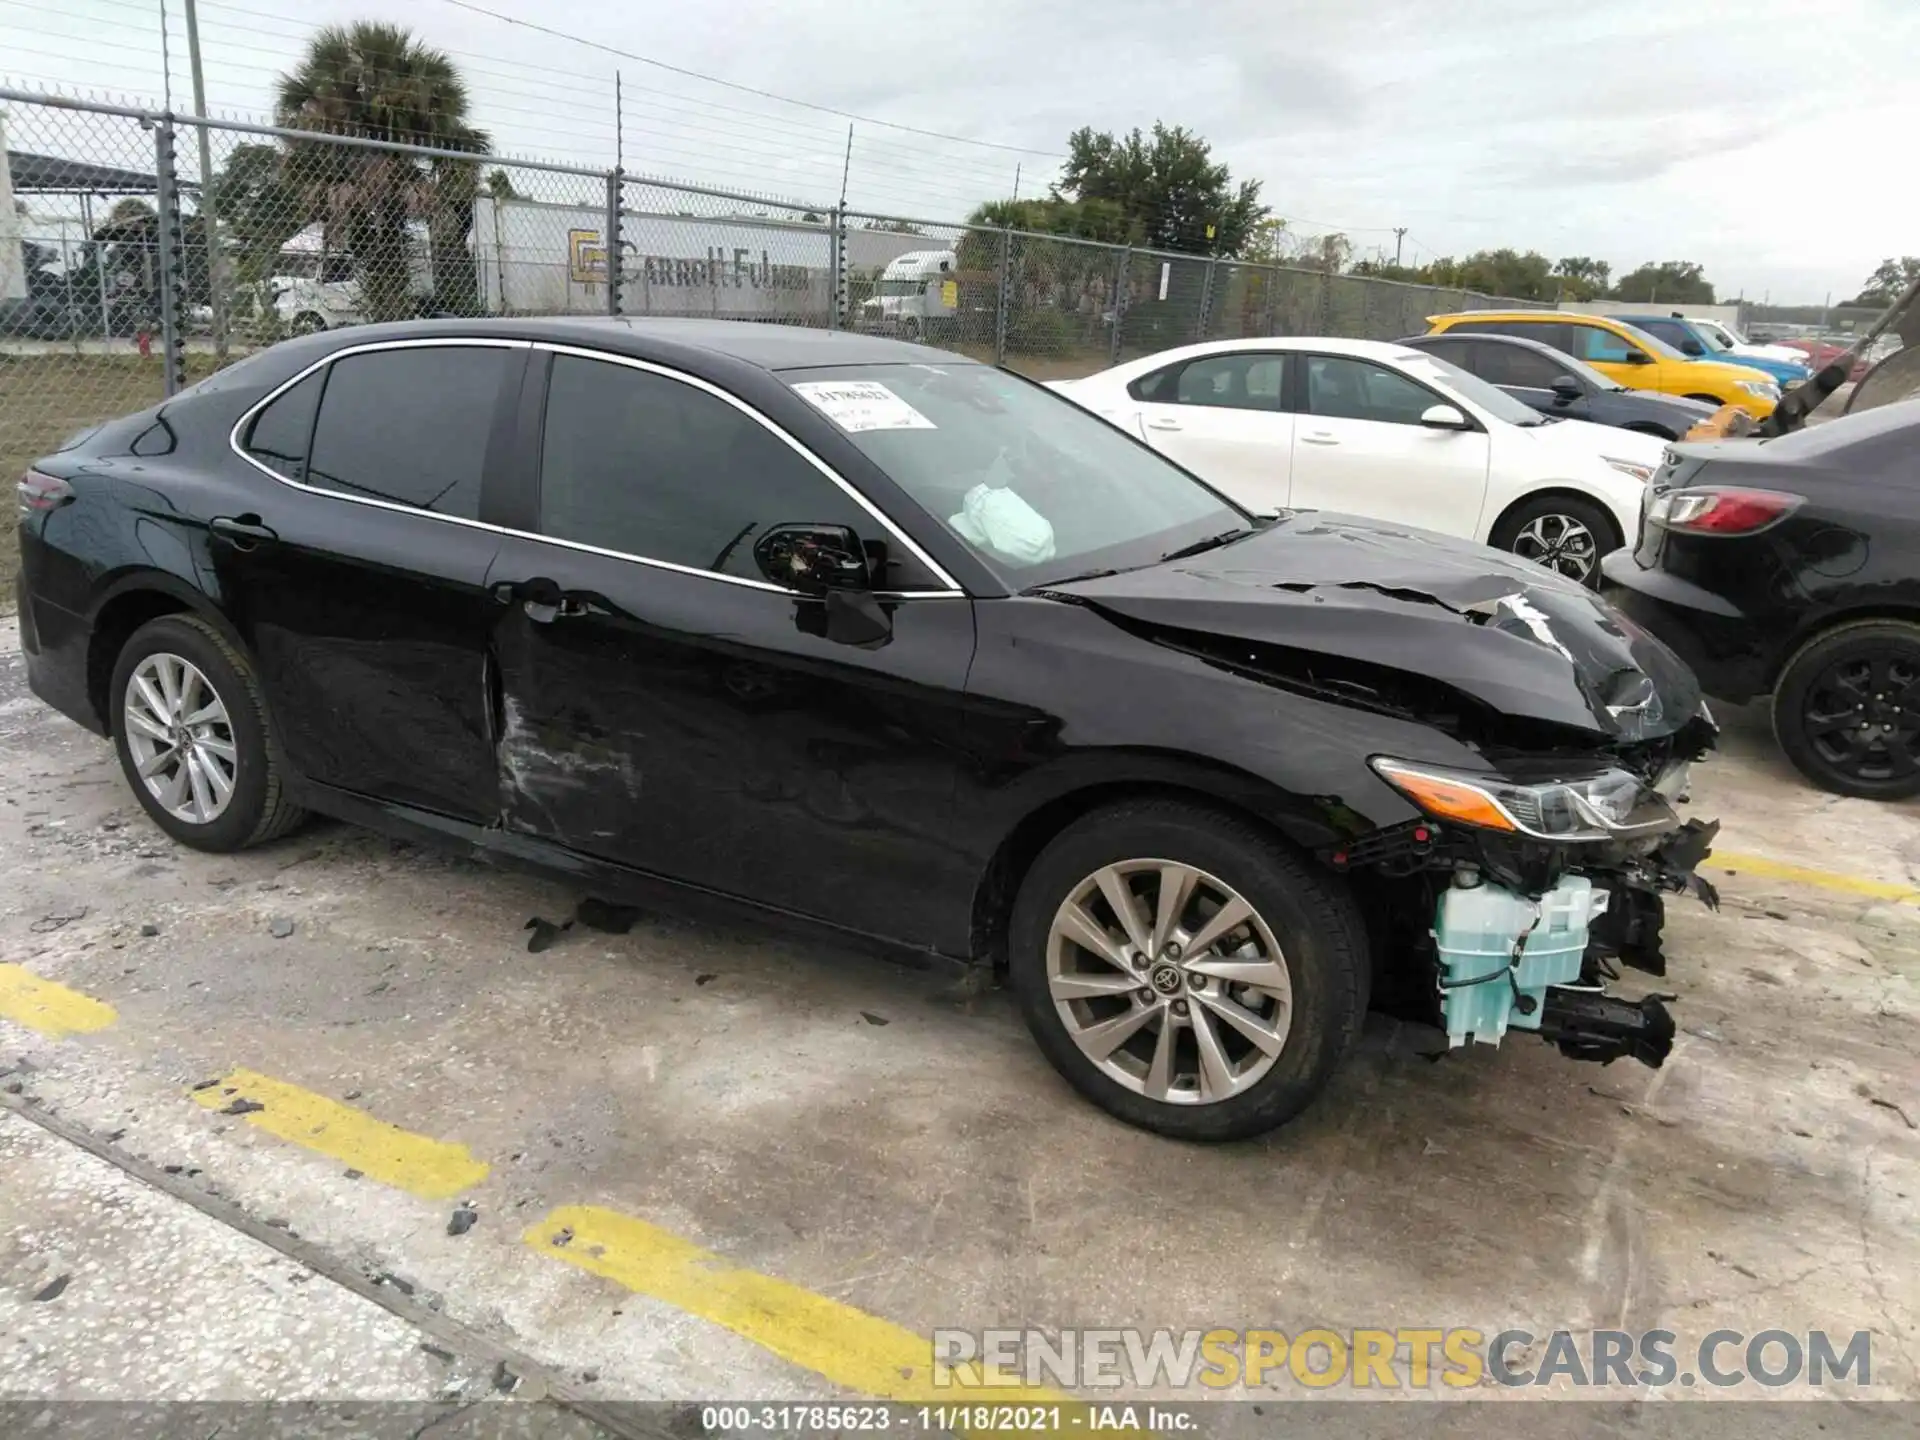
[1445, 799]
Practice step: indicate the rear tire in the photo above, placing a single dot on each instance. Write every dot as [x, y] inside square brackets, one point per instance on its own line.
[1564, 533]
[1862, 674]
[1281, 993]
[191, 729]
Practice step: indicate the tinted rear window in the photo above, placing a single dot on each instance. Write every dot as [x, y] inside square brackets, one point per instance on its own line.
[279, 434]
[410, 426]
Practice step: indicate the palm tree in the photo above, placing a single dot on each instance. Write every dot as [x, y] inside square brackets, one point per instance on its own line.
[375, 81]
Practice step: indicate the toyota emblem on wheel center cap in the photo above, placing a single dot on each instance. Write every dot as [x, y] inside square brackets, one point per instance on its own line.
[1166, 979]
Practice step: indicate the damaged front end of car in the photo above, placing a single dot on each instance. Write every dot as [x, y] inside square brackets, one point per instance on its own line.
[1530, 865]
[1541, 881]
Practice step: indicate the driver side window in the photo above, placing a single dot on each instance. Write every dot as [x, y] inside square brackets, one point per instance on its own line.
[1593, 343]
[1512, 365]
[1346, 389]
[1674, 334]
[648, 467]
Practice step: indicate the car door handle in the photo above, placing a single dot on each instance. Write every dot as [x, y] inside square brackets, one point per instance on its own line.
[1319, 437]
[1163, 424]
[545, 612]
[245, 531]
[541, 598]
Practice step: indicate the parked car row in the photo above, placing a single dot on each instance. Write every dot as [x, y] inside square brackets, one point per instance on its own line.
[1561, 387]
[1626, 353]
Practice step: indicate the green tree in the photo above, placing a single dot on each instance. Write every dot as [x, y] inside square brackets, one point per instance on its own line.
[500, 185]
[375, 81]
[259, 210]
[1059, 291]
[1168, 186]
[1677, 282]
[1582, 278]
[1883, 287]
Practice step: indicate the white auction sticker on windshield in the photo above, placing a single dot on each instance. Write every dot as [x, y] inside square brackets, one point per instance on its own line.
[856, 405]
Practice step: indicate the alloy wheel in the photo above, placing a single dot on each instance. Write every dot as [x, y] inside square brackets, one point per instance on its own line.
[1169, 981]
[1559, 542]
[1862, 714]
[180, 738]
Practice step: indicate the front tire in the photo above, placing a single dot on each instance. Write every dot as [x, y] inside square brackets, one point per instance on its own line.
[1713, 400]
[1562, 532]
[1222, 1005]
[191, 729]
[1846, 709]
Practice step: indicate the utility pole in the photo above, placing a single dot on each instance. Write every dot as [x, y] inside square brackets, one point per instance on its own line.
[1016, 180]
[1399, 234]
[209, 229]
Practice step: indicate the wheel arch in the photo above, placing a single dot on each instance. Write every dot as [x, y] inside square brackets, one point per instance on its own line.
[127, 603]
[1817, 626]
[1205, 787]
[1560, 490]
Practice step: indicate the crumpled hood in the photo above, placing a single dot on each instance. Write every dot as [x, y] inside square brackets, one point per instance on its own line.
[1519, 638]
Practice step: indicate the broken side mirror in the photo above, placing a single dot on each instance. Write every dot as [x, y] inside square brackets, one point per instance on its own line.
[815, 560]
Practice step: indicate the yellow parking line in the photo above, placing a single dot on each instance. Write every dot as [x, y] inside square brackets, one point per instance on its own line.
[51, 1008]
[1765, 869]
[432, 1169]
[854, 1350]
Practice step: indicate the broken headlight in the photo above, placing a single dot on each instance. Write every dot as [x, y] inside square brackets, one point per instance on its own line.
[1609, 804]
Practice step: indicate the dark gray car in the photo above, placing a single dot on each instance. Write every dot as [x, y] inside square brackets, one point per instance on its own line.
[1556, 384]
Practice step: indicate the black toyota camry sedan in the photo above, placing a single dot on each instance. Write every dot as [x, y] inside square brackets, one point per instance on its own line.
[878, 638]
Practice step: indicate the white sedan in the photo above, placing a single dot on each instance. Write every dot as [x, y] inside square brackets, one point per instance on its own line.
[1377, 429]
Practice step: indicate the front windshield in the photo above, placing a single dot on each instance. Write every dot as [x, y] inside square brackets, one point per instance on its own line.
[1469, 387]
[1037, 487]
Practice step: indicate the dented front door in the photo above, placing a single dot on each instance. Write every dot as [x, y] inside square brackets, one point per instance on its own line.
[696, 729]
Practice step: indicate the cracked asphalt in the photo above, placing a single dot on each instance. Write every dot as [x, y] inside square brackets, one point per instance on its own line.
[672, 1142]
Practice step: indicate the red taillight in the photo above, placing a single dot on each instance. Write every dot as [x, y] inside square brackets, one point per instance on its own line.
[1720, 512]
[42, 492]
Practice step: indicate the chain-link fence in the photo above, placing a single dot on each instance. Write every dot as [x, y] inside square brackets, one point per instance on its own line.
[140, 250]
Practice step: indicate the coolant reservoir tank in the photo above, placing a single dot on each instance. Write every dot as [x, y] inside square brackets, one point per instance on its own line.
[1483, 988]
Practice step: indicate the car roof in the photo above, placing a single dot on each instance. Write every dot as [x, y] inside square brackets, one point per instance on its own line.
[1421, 342]
[1552, 315]
[1319, 344]
[769, 347]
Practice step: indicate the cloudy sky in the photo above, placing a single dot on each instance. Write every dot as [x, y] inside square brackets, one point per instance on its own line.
[1765, 139]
